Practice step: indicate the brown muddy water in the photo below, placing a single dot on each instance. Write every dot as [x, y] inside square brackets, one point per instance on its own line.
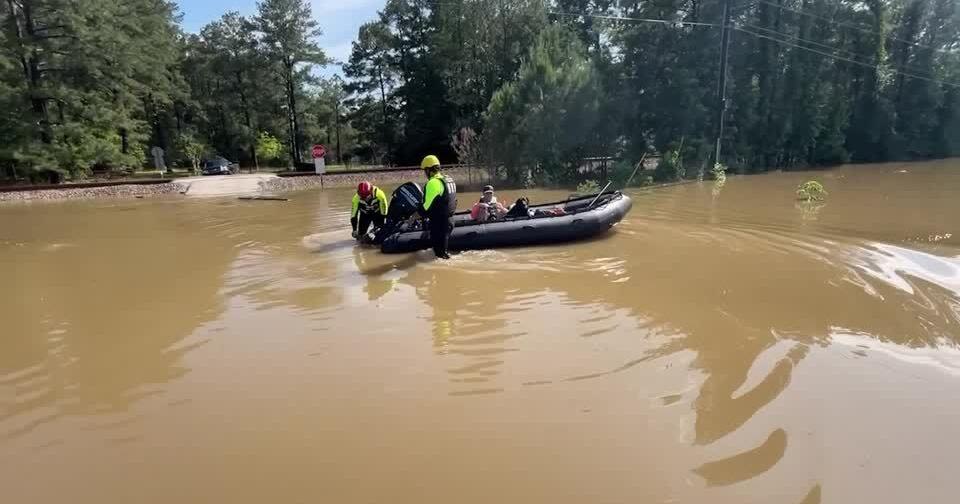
[721, 345]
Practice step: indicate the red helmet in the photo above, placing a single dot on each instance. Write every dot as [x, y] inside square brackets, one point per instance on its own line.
[365, 189]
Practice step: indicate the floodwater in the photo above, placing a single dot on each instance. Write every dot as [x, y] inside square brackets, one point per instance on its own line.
[722, 345]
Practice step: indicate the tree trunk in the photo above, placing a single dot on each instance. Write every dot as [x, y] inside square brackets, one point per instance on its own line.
[25, 31]
[336, 119]
[503, 24]
[124, 141]
[246, 119]
[773, 125]
[294, 121]
[383, 108]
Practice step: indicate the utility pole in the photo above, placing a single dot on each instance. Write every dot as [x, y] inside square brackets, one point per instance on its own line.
[722, 88]
[337, 119]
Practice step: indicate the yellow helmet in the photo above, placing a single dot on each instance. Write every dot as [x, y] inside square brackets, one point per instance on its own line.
[429, 162]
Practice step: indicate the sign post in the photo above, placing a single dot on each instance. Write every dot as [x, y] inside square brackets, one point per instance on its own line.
[158, 163]
[318, 162]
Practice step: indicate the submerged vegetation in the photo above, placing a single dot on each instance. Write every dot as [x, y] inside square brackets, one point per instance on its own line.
[811, 190]
[588, 187]
[529, 89]
[719, 173]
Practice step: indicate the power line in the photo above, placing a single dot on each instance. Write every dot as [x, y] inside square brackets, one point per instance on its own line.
[829, 55]
[714, 25]
[626, 18]
[722, 84]
[798, 38]
[852, 54]
[848, 60]
[851, 26]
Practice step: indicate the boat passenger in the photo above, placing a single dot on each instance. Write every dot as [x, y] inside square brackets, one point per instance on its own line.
[487, 208]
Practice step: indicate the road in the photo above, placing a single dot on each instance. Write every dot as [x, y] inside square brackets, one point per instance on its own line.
[224, 185]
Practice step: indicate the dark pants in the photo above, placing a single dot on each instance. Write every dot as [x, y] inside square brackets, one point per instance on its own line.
[440, 230]
[364, 219]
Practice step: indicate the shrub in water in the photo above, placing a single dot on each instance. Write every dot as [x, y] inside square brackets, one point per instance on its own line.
[588, 187]
[811, 190]
[719, 173]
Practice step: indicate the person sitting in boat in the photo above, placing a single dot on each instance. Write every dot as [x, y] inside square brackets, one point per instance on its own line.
[488, 208]
[369, 206]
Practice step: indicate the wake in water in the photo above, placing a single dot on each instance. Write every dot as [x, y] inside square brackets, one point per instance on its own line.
[328, 241]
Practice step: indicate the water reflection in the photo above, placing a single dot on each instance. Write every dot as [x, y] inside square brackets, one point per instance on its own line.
[746, 465]
[813, 496]
[467, 320]
[96, 329]
[370, 264]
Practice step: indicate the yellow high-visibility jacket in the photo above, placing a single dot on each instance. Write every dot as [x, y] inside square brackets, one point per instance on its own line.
[377, 204]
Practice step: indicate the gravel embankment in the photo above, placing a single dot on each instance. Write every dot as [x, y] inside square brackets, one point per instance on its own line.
[268, 185]
[123, 191]
[286, 184]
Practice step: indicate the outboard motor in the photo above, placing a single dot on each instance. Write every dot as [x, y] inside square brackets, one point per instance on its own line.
[404, 202]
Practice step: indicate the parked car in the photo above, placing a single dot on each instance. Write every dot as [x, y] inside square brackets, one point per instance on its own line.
[218, 166]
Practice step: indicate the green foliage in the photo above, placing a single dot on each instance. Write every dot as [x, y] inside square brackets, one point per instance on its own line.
[373, 78]
[192, 150]
[719, 173]
[621, 171]
[288, 44]
[588, 187]
[542, 121]
[75, 77]
[811, 190]
[92, 85]
[268, 147]
[670, 167]
[228, 77]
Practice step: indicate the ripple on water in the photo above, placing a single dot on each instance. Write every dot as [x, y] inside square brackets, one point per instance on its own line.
[924, 284]
[899, 267]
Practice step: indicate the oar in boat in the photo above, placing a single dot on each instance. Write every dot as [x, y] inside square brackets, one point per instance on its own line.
[600, 194]
[635, 169]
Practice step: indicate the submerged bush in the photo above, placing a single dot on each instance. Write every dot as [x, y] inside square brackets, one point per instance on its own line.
[811, 190]
[719, 172]
[670, 167]
[588, 187]
[622, 170]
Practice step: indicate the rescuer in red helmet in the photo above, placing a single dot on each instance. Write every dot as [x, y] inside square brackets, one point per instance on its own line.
[369, 206]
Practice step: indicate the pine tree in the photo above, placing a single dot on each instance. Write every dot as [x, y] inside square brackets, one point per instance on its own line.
[373, 78]
[543, 121]
[86, 71]
[289, 34]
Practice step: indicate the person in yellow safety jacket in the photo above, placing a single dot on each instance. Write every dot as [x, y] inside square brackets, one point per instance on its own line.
[369, 206]
[439, 205]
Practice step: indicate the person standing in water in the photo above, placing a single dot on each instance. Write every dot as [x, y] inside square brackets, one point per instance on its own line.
[369, 206]
[439, 205]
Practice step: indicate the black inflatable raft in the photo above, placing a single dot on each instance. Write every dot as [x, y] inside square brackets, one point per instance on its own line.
[581, 220]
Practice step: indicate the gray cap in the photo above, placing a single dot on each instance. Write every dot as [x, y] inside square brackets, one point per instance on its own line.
[487, 189]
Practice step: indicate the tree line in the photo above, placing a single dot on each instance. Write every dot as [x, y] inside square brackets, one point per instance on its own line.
[92, 85]
[528, 88]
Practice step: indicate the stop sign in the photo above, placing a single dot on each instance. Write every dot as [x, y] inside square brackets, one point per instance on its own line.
[319, 151]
